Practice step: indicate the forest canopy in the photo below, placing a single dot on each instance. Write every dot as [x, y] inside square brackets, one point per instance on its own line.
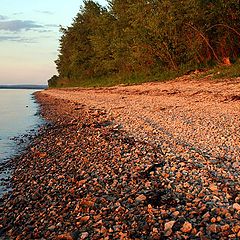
[130, 38]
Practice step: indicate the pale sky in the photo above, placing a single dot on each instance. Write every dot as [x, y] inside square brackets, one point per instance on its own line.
[29, 34]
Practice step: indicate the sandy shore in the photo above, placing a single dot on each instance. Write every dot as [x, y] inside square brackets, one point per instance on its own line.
[152, 161]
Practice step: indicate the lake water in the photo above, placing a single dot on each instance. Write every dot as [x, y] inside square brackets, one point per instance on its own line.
[17, 117]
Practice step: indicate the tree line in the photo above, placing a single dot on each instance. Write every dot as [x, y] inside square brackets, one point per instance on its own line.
[144, 37]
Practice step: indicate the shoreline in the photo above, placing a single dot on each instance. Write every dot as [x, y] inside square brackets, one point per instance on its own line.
[86, 177]
[14, 143]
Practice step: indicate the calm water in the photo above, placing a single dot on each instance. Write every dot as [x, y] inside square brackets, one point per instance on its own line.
[17, 117]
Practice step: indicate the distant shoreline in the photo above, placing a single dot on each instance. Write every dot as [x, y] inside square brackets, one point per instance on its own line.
[23, 86]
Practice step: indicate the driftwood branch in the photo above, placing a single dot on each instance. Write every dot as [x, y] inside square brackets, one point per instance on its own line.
[205, 40]
[226, 26]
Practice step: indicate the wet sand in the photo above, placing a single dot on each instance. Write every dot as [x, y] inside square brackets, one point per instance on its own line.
[153, 161]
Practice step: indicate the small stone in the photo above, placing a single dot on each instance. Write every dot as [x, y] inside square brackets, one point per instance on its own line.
[212, 228]
[178, 175]
[42, 155]
[206, 216]
[52, 227]
[103, 230]
[97, 217]
[194, 231]
[65, 236]
[168, 228]
[59, 224]
[84, 235]
[80, 183]
[187, 227]
[168, 233]
[169, 225]
[123, 235]
[87, 203]
[141, 198]
[236, 164]
[175, 214]
[213, 220]
[84, 219]
[213, 187]
[236, 229]
[236, 206]
[228, 196]
[225, 227]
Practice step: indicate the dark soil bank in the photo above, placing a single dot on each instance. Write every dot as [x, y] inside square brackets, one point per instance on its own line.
[85, 178]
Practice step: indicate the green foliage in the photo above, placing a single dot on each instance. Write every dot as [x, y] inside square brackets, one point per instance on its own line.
[108, 81]
[137, 40]
[218, 72]
[53, 81]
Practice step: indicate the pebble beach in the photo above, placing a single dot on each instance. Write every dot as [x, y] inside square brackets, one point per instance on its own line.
[150, 161]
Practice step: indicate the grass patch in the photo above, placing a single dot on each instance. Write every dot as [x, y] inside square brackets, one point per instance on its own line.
[118, 80]
[218, 72]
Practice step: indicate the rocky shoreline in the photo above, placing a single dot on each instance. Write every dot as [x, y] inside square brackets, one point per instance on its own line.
[85, 177]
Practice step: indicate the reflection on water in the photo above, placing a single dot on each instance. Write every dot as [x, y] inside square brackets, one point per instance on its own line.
[17, 116]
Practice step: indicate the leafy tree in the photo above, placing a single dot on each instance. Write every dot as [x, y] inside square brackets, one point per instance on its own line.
[131, 37]
[52, 82]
